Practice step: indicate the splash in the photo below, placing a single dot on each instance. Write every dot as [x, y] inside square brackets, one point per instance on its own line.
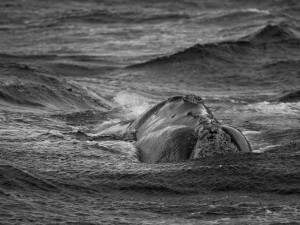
[132, 103]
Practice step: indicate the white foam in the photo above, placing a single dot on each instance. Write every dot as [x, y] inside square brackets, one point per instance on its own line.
[251, 132]
[264, 149]
[292, 108]
[132, 103]
[257, 11]
[108, 123]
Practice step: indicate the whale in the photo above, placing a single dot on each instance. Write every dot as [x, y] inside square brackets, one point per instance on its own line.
[178, 129]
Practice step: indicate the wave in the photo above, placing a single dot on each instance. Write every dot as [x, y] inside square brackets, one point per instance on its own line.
[28, 86]
[217, 53]
[114, 16]
[218, 173]
[12, 178]
[53, 57]
[227, 51]
[267, 58]
[225, 17]
[73, 64]
[272, 108]
[293, 96]
[81, 118]
[274, 33]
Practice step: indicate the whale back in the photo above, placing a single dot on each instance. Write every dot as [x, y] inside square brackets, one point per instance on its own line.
[176, 111]
[171, 144]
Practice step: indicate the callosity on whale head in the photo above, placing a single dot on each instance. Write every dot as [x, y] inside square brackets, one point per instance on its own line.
[213, 138]
[183, 128]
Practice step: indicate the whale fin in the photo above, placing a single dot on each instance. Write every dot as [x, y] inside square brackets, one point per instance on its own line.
[238, 138]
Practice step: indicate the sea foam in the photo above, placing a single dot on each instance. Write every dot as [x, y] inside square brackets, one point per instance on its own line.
[132, 103]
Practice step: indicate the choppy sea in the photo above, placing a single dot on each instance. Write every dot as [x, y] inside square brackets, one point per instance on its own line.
[70, 67]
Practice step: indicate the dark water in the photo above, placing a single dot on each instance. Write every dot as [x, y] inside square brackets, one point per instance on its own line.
[69, 68]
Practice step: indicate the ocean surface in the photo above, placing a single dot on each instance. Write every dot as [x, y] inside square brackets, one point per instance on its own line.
[69, 68]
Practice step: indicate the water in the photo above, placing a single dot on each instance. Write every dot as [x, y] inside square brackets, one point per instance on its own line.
[71, 68]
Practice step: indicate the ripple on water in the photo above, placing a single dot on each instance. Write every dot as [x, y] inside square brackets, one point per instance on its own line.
[291, 108]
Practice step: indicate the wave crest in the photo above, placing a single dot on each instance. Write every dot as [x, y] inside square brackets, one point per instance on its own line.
[225, 53]
[293, 96]
[13, 178]
[274, 33]
[28, 86]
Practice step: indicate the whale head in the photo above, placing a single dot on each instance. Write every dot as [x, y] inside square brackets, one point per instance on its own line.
[211, 137]
[183, 128]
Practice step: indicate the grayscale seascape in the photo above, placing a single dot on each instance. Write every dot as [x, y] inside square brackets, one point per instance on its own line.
[69, 68]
